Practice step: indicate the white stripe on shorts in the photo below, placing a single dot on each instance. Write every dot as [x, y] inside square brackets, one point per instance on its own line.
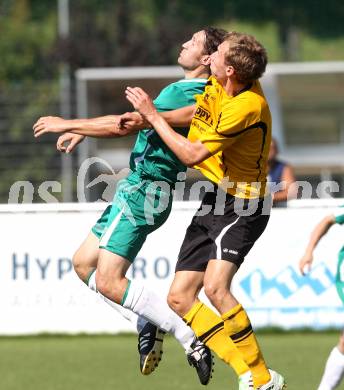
[219, 238]
[106, 236]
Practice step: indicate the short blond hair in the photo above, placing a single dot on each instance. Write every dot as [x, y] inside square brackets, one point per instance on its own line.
[247, 56]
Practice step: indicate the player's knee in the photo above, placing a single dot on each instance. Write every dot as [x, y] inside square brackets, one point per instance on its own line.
[78, 265]
[214, 293]
[81, 265]
[175, 302]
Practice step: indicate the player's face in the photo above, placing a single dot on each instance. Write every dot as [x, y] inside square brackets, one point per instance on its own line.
[218, 62]
[192, 51]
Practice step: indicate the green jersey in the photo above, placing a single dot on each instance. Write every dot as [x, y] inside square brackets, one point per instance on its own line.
[151, 158]
[340, 219]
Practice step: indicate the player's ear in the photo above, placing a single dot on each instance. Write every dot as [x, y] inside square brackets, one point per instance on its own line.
[205, 60]
[230, 71]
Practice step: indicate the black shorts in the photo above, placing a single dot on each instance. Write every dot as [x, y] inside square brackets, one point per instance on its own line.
[224, 227]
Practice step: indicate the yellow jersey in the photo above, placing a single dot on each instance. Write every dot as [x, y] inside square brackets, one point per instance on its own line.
[237, 132]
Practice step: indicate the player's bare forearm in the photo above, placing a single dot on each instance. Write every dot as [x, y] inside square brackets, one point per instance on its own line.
[176, 118]
[319, 231]
[189, 153]
[102, 127]
[181, 117]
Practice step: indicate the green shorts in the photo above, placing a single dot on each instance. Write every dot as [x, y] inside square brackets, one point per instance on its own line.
[139, 207]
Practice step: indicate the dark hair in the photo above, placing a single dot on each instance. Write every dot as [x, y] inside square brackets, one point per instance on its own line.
[213, 37]
[247, 56]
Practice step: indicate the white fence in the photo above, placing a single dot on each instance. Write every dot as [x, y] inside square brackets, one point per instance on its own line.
[39, 291]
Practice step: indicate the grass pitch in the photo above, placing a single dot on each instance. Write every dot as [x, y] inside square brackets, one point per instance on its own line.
[111, 363]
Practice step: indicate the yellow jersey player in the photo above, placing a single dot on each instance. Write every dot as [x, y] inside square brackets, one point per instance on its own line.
[110, 248]
[228, 142]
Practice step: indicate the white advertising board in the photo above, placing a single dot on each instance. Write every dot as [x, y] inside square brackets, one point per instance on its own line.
[39, 291]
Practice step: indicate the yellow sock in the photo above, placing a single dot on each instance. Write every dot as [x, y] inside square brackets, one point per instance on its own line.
[208, 327]
[238, 326]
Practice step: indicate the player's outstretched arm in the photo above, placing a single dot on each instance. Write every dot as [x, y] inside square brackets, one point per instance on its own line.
[181, 117]
[101, 127]
[189, 153]
[67, 142]
[320, 230]
[176, 118]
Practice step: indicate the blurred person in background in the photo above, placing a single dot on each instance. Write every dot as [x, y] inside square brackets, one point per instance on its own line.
[280, 177]
[334, 368]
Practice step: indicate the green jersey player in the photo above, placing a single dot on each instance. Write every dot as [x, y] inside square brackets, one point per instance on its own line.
[334, 369]
[141, 204]
[151, 162]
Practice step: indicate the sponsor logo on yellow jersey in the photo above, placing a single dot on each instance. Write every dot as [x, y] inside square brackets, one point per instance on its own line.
[203, 115]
